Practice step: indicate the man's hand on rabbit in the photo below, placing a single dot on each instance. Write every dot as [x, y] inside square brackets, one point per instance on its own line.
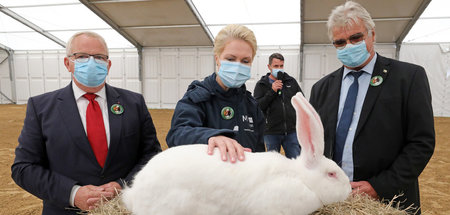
[87, 196]
[226, 144]
[364, 187]
[112, 187]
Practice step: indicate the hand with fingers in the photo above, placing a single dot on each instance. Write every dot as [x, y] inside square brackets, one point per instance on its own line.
[277, 85]
[87, 196]
[228, 147]
[113, 187]
[364, 187]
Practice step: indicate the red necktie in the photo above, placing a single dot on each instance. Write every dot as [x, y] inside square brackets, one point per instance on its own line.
[96, 129]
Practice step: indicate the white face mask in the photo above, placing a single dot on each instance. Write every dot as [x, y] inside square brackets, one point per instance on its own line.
[233, 74]
[353, 55]
[275, 72]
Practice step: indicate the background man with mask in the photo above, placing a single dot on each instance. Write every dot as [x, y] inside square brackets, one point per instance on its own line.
[83, 141]
[273, 93]
[376, 111]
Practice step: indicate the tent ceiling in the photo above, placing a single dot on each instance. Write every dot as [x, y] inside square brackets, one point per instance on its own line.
[48, 24]
[154, 23]
[393, 19]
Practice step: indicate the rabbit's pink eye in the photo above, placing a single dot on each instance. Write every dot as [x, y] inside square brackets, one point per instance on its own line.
[332, 174]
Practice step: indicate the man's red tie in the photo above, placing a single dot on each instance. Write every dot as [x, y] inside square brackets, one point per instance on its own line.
[96, 129]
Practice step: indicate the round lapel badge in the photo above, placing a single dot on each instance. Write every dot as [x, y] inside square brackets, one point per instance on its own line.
[227, 113]
[376, 81]
[117, 109]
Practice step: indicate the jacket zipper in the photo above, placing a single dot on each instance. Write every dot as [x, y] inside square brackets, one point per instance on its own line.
[284, 113]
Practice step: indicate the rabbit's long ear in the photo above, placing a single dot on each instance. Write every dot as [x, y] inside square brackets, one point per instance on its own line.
[309, 129]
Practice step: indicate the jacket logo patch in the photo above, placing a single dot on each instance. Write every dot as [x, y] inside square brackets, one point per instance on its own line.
[227, 113]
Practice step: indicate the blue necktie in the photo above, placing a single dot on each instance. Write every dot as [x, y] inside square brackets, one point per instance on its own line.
[346, 118]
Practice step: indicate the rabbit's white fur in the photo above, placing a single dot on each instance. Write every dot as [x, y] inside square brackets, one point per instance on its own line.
[185, 180]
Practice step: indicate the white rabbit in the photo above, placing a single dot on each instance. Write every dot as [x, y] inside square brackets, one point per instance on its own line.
[186, 180]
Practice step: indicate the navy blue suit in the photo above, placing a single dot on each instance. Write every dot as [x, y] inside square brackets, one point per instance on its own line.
[54, 154]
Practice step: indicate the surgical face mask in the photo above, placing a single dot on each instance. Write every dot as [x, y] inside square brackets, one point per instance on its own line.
[90, 73]
[353, 55]
[276, 71]
[233, 74]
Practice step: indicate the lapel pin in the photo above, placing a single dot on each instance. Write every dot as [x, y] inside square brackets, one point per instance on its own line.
[227, 113]
[376, 80]
[384, 71]
[117, 109]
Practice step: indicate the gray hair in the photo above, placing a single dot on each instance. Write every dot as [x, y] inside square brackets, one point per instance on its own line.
[89, 34]
[344, 14]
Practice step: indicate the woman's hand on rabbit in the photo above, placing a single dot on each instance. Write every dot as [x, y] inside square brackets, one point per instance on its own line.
[364, 187]
[227, 145]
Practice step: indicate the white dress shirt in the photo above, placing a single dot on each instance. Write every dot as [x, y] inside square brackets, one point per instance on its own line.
[82, 104]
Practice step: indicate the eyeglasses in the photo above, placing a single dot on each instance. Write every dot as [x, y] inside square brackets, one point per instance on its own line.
[355, 39]
[83, 57]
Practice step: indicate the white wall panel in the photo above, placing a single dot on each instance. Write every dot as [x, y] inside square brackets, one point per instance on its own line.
[152, 93]
[169, 95]
[5, 80]
[188, 64]
[115, 72]
[171, 70]
[37, 72]
[51, 84]
[35, 65]
[313, 66]
[50, 65]
[184, 84]
[23, 94]
[36, 87]
[206, 64]
[131, 66]
[169, 61]
[20, 65]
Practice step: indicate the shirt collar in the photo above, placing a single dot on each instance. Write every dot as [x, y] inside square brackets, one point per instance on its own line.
[368, 68]
[78, 93]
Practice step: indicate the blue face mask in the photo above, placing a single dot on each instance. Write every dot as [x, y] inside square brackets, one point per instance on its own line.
[276, 71]
[353, 55]
[233, 74]
[90, 73]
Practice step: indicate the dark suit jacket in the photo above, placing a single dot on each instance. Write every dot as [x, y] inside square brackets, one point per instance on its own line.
[395, 137]
[54, 154]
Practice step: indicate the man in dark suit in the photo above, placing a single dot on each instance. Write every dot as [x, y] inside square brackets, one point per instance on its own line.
[86, 140]
[376, 111]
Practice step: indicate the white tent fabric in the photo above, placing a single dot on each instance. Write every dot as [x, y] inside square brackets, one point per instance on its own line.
[433, 25]
[60, 18]
[35, 65]
[273, 22]
[436, 62]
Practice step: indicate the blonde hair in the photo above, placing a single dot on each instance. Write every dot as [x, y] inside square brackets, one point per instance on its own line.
[89, 34]
[344, 14]
[234, 31]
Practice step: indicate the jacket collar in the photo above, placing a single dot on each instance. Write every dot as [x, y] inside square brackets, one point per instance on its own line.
[382, 69]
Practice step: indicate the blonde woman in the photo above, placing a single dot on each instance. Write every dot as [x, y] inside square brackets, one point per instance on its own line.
[219, 111]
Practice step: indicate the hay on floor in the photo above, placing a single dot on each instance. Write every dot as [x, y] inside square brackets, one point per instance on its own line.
[354, 205]
[364, 205]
